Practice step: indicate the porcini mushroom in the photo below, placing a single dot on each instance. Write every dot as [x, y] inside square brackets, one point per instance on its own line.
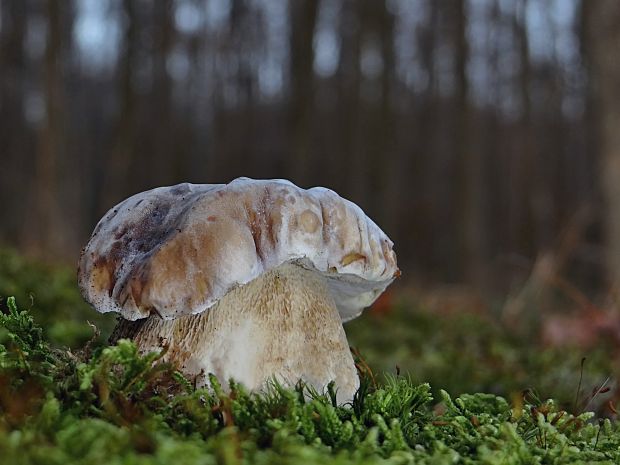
[247, 280]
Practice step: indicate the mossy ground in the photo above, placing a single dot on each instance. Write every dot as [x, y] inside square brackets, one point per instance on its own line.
[95, 404]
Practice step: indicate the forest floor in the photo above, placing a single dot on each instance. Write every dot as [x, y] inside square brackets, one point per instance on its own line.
[68, 398]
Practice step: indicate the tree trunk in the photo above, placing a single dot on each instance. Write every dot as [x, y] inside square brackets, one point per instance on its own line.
[348, 77]
[385, 189]
[45, 231]
[303, 15]
[602, 20]
[469, 170]
[117, 173]
[13, 136]
[164, 151]
[523, 225]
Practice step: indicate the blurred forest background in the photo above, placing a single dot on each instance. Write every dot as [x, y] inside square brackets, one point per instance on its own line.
[482, 135]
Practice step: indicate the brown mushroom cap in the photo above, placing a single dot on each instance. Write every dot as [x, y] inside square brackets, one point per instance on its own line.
[177, 250]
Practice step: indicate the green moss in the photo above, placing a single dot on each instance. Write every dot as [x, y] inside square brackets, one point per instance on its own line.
[475, 353]
[114, 406]
[96, 404]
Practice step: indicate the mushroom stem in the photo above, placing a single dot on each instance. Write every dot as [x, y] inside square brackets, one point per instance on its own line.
[283, 324]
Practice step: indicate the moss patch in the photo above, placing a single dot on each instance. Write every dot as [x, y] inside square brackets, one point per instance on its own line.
[111, 405]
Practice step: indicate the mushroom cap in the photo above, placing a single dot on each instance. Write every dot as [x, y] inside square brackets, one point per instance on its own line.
[177, 250]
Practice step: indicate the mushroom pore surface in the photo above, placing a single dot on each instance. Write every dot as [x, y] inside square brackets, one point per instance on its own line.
[283, 324]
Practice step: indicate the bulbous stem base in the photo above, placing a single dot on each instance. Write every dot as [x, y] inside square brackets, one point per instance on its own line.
[282, 325]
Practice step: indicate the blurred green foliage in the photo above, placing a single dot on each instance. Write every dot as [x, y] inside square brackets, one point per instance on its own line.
[110, 405]
[468, 352]
[50, 292]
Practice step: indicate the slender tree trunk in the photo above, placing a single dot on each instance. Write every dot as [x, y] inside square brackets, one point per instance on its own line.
[494, 160]
[164, 152]
[117, 172]
[348, 75]
[422, 232]
[13, 135]
[303, 14]
[523, 165]
[471, 233]
[235, 123]
[602, 18]
[383, 164]
[44, 228]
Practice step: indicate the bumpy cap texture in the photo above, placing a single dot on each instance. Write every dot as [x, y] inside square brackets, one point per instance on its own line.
[177, 250]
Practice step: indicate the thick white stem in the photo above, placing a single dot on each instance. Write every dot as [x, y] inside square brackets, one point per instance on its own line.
[283, 324]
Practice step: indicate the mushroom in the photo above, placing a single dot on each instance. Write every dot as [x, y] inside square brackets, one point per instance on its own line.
[248, 280]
